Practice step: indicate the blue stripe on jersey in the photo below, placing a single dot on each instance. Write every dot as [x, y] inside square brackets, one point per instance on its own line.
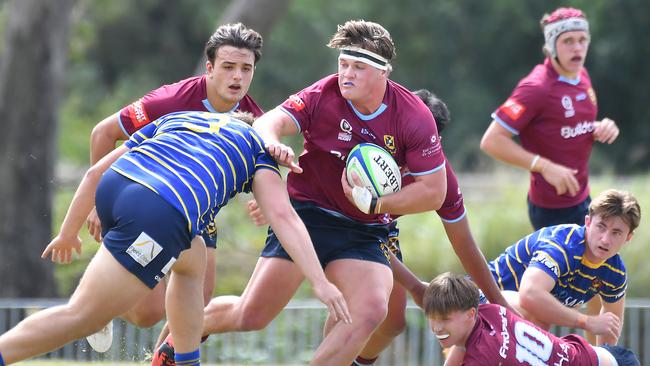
[558, 250]
[197, 161]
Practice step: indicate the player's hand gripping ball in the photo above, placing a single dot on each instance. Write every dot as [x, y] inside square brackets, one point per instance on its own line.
[377, 171]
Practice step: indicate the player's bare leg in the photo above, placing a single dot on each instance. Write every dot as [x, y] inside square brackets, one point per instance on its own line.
[368, 304]
[272, 284]
[208, 288]
[105, 291]
[185, 298]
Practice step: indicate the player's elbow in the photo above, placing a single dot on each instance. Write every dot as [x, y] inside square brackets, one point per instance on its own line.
[487, 143]
[528, 300]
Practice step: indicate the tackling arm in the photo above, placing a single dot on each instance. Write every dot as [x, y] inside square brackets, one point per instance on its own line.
[271, 194]
[537, 302]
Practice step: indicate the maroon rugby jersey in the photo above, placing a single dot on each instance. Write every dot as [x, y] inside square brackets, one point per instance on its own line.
[554, 117]
[453, 208]
[331, 127]
[186, 95]
[500, 338]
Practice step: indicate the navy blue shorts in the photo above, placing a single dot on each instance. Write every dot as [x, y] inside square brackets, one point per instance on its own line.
[543, 217]
[209, 235]
[335, 237]
[144, 232]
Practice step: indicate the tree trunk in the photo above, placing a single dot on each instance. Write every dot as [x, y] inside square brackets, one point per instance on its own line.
[259, 15]
[31, 85]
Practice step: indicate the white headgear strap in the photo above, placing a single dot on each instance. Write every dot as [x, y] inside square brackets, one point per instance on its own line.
[365, 56]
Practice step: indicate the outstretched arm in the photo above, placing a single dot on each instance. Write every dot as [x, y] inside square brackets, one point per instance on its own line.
[272, 126]
[473, 261]
[536, 300]
[83, 201]
[271, 194]
[102, 141]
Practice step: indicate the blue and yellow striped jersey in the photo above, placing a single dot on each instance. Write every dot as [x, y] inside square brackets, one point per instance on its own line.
[196, 161]
[558, 250]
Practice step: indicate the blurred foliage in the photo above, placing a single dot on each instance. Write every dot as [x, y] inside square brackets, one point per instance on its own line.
[471, 53]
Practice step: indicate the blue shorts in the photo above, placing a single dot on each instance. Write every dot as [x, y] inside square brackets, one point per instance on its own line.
[542, 217]
[209, 235]
[335, 237]
[142, 231]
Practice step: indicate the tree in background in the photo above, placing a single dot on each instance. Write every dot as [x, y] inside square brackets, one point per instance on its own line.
[31, 80]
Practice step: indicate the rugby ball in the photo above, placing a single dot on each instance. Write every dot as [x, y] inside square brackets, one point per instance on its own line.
[376, 169]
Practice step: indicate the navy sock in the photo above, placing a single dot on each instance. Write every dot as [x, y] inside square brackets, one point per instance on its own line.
[188, 359]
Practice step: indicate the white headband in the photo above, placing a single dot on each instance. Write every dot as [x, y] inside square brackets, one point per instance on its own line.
[365, 56]
[553, 30]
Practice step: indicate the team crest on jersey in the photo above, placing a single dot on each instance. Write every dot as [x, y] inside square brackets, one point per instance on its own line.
[137, 114]
[567, 104]
[512, 109]
[592, 96]
[389, 142]
[596, 284]
[296, 103]
[346, 130]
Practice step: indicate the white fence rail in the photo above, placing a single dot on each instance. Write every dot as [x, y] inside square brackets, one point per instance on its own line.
[292, 337]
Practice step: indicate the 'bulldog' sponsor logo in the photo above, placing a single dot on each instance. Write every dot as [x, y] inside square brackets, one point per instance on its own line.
[581, 128]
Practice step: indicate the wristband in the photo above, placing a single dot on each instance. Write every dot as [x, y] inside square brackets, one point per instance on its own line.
[533, 162]
[373, 206]
[377, 209]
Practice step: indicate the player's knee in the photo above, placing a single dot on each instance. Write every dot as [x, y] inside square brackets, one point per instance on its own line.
[251, 319]
[393, 325]
[145, 319]
[374, 313]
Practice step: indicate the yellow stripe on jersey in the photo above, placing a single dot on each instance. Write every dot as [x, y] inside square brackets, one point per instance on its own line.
[611, 285]
[581, 274]
[232, 167]
[134, 179]
[527, 250]
[197, 161]
[578, 289]
[173, 171]
[496, 267]
[568, 237]
[178, 196]
[559, 247]
[151, 152]
[216, 163]
[512, 271]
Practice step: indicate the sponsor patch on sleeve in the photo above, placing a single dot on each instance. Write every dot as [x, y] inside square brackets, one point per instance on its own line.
[296, 103]
[546, 260]
[137, 114]
[144, 249]
[512, 109]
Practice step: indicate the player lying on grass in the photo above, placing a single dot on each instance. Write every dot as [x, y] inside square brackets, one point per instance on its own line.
[154, 194]
[490, 334]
